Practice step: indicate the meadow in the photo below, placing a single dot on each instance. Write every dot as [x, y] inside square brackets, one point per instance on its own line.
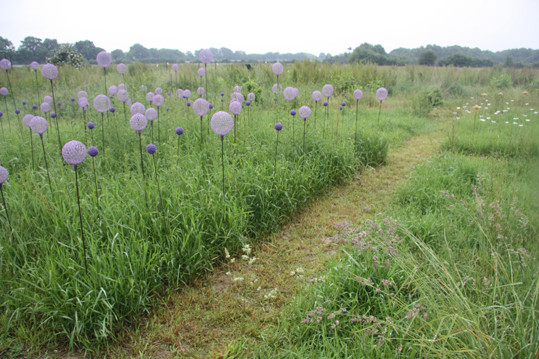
[153, 222]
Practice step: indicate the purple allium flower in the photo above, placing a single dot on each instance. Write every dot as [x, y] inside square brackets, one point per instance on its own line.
[122, 95]
[121, 68]
[237, 88]
[340, 108]
[317, 96]
[289, 93]
[122, 87]
[102, 103]
[82, 93]
[112, 109]
[169, 93]
[201, 72]
[277, 68]
[1, 114]
[104, 59]
[293, 112]
[27, 120]
[159, 91]
[304, 112]
[48, 99]
[138, 122]
[149, 96]
[45, 107]
[72, 99]
[235, 107]
[83, 103]
[205, 56]
[188, 103]
[210, 106]
[175, 67]
[3, 175]
[23, 102]
[39, 125]
[381, 93]
[201, 107]
[4, 91]
[59, 104]
[247, 103]
[179, 93]
[327, 90]
[222, 123]
[113, 90]
[237, 96]
[343, 104]
[278, 126]
[91, 125]
[158, 100]
[5, 64]
[358, 94]
[34, 106]
[53, 114]
[49, 71]
[137, 107]
[222, 94]
[151, 113]
[151, 149]
[251, 96]
[179, 131]
[17, 111]
[325, 103]
[186, 93]
[34, 65]
[200, 91]
[93, 151]
[74, 152]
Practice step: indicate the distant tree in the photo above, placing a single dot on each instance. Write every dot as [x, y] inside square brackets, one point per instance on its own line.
[31, 49]
[67, 55]
[367, 53]
[508, 61]
[87, 49]
[7, 50]
[427, 57]
[139, 52]
[51, 44]
[117, 55]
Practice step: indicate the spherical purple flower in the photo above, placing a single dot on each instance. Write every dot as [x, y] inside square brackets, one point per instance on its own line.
[205, 56]
[113, 90]
[293, 112]
[358, 94]
[327, 90]
[222, 94]
[74, 152]
[34, 65]
[151, 149]
[53, 114]
[222, 123]
[49, 71]
[82, 93]
[149, 96]
[237, 96]
[201, 107]
[179, 93]
[83, 103]
[325, 103]
[137, 107]
[251, 96]
[5, 64]
[151, 114]
[317, 96]
[3, 175]
[186, 93]
[104, 59]
[102, 103]
[277, 68]
[34, 106]
[175, 67]
[289, 93]
[343, 104]
[201, 72]
[39, 125]
[72, 99]
[237, 88]
[210, 106]
[48, 99]
[4, 91]
[158, 91]
[179, 131]
[59, 104]
[235, 107]
[27, 119]
[188, 103]
[247, 103]
[17, 111]
[112, 109]
[93, 151]
[122, 95]
[45, 107]
[381, 94]
[200, 91]
[169, 93]
[122, 87]
[91, 125]
[278, 126]
[121, 68]
[158, 100]
[304, 112]
[138, 122]
[23, 102]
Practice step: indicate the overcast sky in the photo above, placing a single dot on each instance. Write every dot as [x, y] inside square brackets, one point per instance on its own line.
[277, 26]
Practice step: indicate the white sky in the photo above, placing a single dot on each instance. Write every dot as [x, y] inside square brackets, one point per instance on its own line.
[278, 26]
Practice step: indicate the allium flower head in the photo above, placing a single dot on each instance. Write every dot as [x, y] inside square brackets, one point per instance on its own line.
[317, 96]
[91, 125]
[289, 93]
[72, 99]
[122, 87]
[277, 68]
[186, 93]
[158, 91]
[3, 175]
[74, 152]
[39, 125]
[237, 96]
[82, 93]
[17, 111]
[151, 149]
[235, 107]
[48, 99]
[138, 122]
[113, 90]
[4, 91]
[251, 96]
[122, 95]
[121, 68]
[278, 126]
[49, 71]
[179, 93]
[45, 107]
[247, 103]
[23, 102]
[104, 59]
[93, 151]
[200, 90]
[201, 107]
[358, 94]
[151, 113]
[325, 103]
[222, 123]
[53, 114]
[179, 131]
[27, 120]
[34, 106]
[210, 106]
[381, 94]
[175, 67]
[277, 89]
[343, 104]
[201, 72]
[149, 96]
[83, 103]
[34, 65]
[188, 103]
[5, 64]
[137, 107]
[102, 103]
[327, 90]
[158, 100]
[293, 112]
[237, 88]
[304, 112]
[205, 56]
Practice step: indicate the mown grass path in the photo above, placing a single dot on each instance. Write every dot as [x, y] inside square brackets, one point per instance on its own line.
[205, 318]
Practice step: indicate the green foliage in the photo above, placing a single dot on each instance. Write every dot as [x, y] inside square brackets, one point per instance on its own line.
[427, 57]
[428, 100]
[67, 55]
[502, 81]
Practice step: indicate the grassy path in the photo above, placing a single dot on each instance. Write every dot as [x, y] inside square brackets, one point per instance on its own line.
[204, 319]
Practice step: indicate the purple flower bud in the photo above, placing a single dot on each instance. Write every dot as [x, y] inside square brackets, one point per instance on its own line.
[293, 112]
[1, 114]
[101, 103]
[53, 114]
[121, 68]
[74, 152]
[381, 94]
[222, 123]
[138, 122]
[169, 93]
[49, 71]
[112, 109]
[210, 106]
[358, 94]
[104, 59]
[34, 106]
[151, 149]
[247, 103]
[93, 151]
[188, 103]
[222, 93]
[277, 68]
[3, 175]
[91, 125]
[278, 126]
[72, 99]
[343, 104]
[179, 131]
[340, 107]
[59, 104]
[23, 102]
[17, 111]
[34, 65]
[325, 103]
